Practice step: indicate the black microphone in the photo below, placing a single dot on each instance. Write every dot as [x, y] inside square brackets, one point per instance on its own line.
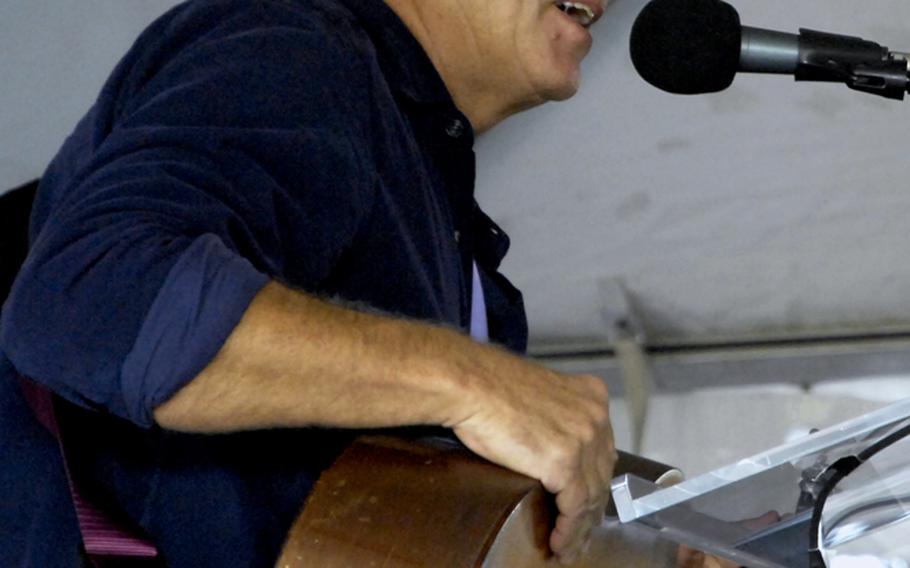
[697, 46]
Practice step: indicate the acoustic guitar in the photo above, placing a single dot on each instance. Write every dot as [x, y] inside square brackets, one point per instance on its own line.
[394, 503]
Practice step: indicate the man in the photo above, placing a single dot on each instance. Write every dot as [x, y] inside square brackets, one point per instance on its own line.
[265, 230]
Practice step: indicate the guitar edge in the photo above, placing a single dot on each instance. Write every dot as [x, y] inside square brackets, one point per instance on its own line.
[392, 503]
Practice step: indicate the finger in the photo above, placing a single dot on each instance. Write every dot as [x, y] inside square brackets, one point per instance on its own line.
[715, 562]
[571, 504]
[591, 458]
[606, 459]
[600, 415]
[689, 558]
[763, 521]
[575, 531]
[598, 491]
[571, 534]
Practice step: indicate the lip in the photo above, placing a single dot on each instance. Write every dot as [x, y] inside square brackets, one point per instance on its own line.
[596, 6]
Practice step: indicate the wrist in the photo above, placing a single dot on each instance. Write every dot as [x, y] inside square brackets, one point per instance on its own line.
[443, 362]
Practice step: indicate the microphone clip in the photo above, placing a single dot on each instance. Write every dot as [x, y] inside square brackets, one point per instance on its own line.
[889, 80]
[862, 65]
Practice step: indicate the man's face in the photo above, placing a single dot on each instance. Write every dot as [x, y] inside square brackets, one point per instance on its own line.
[533, 48]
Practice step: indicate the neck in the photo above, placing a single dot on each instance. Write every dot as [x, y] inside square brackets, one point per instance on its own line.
[439, 26]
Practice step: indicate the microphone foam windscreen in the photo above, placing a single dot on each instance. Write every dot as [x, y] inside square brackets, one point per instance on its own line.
[687, 46]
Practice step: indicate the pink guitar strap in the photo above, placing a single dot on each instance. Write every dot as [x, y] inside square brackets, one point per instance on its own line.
[103, 537]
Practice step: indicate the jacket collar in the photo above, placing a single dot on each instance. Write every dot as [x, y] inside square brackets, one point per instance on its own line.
[405, 63]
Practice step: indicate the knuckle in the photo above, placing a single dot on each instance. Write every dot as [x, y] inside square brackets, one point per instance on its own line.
[572, 507]
[600, 415]
[598, 386]
[569, 453]
[587, 434]
[558, 475]
[593, 425]
[596, 499]
[612, 460]
[552, 483]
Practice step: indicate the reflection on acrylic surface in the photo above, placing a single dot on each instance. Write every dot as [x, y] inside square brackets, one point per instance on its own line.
[864, 520]
[866, 562]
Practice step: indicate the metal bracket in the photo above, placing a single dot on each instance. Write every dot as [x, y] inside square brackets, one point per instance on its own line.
[627, 337]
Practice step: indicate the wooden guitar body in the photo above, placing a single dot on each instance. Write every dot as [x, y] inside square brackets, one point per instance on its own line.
[392, 503]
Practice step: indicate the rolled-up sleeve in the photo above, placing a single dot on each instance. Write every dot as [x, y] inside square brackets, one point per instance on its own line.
[129, 294]
[202, 299]
[208, 172]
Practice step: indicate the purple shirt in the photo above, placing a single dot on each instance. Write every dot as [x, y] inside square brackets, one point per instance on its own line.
[479, 329]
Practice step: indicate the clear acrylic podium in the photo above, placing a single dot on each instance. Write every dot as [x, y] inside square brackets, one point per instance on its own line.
[762, 511]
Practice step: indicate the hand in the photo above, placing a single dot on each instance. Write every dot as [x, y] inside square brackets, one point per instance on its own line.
[547, 425]
[689, 558]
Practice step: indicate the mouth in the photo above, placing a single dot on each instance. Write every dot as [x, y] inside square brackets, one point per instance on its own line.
[584, 14]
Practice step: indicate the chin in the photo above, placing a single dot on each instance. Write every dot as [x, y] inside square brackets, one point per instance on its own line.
[562, 77]
[562, 88]
[566, 92]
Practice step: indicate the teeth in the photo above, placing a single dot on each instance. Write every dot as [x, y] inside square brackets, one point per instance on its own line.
[579, 12]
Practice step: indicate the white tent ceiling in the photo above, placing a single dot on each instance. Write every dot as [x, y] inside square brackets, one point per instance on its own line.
[771, 210]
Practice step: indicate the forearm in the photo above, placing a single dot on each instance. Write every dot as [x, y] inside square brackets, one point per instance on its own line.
[297, 361]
